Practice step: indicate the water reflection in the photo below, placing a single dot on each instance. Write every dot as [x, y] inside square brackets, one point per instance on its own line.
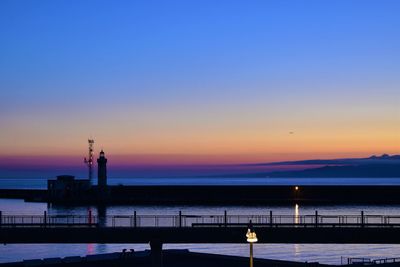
[90, 249]
[296, 221]
[102, 215]
[296, 214]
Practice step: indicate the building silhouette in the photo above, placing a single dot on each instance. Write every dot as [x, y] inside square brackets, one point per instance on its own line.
[66, 188]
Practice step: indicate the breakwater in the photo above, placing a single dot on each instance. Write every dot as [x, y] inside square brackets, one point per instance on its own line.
[254, 195]
[216, 195]
[26, 194]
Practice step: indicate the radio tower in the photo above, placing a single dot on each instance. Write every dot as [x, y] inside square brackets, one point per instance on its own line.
[89, 160]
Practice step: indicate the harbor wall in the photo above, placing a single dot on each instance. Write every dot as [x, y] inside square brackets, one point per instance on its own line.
[216, 195]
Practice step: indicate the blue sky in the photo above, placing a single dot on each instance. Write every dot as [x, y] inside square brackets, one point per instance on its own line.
[200, 77]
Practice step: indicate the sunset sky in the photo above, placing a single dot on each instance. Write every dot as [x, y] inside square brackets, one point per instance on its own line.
[198, 82]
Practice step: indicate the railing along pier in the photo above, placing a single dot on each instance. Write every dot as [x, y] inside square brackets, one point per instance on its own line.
[181, 220]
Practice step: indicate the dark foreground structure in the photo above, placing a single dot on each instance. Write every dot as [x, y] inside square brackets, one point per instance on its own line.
[181, 258]
[157, 236]
[215, 195]
[171, 258]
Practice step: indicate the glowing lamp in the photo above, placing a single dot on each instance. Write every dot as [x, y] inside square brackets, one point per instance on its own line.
[251, 236]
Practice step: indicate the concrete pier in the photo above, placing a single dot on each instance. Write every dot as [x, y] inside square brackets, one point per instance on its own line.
[223, 195]
[202, 235]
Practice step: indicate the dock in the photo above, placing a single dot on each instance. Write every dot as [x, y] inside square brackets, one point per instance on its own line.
[270, 228]
[219, 195]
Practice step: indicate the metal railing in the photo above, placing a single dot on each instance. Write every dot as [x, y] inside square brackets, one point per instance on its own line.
[186, 220]
[368, 261]
[386, 260]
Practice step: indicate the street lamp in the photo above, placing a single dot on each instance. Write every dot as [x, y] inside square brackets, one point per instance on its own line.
[251, 238]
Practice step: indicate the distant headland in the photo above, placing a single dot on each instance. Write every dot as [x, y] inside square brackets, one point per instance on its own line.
[384, 166]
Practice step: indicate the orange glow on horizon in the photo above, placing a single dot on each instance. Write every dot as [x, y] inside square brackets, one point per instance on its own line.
[178, 159]
[208, 146]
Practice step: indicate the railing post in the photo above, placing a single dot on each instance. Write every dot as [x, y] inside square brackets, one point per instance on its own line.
[225, 218]
[316, 218]
[1, 218]
[270, 218]
[180, 218]
[134, 219]
[45, 218]
[90, 217]
[362, 218]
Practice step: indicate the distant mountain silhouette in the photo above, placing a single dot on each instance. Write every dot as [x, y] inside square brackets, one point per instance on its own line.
[384, 159]
[365, 171]
[384, 166]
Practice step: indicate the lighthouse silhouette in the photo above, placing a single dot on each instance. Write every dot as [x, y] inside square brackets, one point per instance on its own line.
[102, 173]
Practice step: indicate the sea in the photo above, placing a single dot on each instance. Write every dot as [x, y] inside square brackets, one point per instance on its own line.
[323, 253]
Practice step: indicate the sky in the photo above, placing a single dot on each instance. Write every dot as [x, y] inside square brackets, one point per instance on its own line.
[199, 82]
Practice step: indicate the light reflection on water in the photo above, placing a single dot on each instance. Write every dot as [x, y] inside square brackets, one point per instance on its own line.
[326, 253]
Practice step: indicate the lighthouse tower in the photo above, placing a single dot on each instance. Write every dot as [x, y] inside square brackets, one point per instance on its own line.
[102, 172]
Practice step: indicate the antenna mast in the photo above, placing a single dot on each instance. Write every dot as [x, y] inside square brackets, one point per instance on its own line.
[89, 160]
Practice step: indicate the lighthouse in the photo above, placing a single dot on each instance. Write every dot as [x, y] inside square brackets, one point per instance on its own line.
[102, 172]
